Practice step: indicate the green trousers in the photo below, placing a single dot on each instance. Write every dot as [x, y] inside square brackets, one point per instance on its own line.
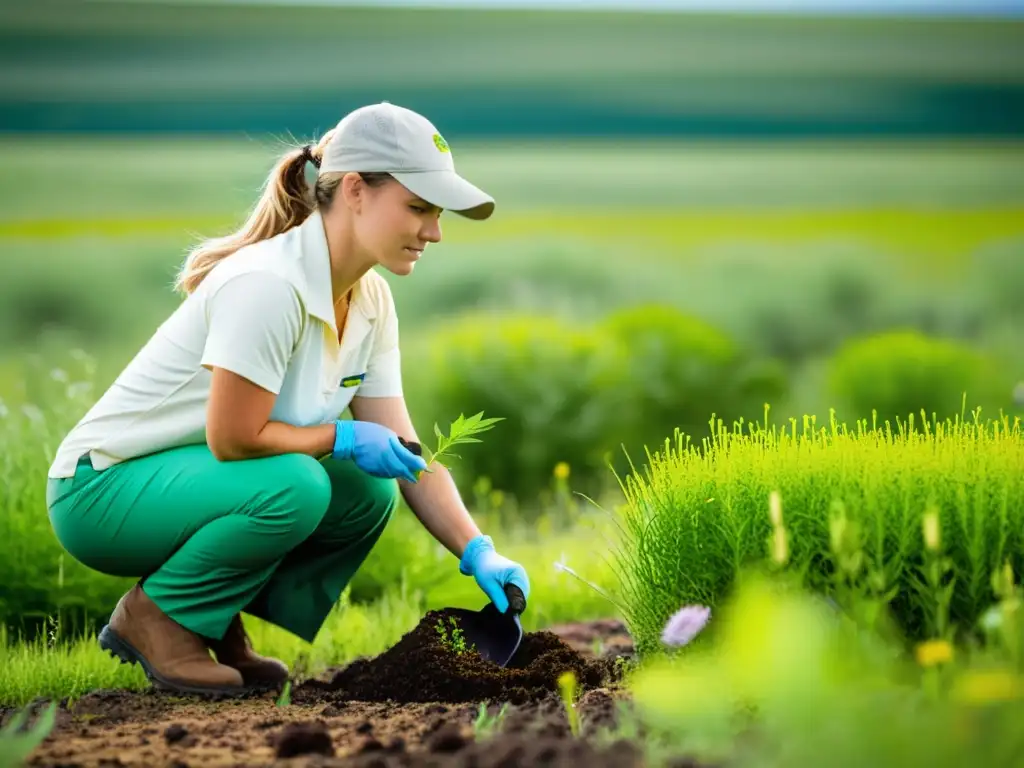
[276, 537]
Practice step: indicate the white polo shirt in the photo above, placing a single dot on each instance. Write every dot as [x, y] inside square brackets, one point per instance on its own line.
[266, 312]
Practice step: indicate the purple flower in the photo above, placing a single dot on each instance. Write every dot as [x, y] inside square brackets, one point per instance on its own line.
[685, 624]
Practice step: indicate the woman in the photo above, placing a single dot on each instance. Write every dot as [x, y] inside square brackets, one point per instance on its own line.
[216, 468]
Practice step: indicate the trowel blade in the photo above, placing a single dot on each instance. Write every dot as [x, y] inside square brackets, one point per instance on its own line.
[494, 635]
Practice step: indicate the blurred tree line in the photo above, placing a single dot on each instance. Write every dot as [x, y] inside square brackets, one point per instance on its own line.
[129, 66]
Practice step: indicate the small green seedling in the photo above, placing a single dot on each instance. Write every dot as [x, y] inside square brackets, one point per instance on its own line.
[567, 689]
[485, 725]
[456, 641]
[286, 695]
[17, 743]
[462, 431]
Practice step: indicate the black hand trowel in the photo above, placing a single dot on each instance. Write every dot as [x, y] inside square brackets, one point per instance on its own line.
[495, 635]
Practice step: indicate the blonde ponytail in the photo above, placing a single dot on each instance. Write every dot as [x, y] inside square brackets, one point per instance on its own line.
[287, 200]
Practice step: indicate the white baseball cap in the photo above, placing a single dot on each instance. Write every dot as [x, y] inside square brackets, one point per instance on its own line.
[385, 138]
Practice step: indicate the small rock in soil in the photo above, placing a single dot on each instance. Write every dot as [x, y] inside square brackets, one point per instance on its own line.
[175, 733]
[310, 738]
[449, 738]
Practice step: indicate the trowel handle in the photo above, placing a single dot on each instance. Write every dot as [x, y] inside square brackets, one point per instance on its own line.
[412, 446]
[516, 598]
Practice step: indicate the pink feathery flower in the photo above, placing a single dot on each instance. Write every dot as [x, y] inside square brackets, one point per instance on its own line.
[685, 624]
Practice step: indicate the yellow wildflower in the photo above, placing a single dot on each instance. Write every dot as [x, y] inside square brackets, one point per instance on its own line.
[932, 652]
[981, 687]
[931, 530]
[567, 689]
[775, 508]
[561, 471]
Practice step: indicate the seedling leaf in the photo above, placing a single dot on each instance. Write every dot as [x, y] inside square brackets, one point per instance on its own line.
[462, 431]
[16, 743]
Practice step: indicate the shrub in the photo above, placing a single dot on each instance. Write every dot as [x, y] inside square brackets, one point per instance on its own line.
[551, 383]
[681, 371]
[902, 372]
[693, 521]
[579, 394]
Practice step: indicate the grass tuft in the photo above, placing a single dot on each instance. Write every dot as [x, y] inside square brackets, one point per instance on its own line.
[853, 500]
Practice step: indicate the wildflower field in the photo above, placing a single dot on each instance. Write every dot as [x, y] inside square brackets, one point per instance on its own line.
[760, 453]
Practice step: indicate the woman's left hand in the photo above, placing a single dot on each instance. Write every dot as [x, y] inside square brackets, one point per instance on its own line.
[492, 571]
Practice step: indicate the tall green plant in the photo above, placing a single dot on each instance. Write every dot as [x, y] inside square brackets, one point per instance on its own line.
[694, 519]
[551, 381]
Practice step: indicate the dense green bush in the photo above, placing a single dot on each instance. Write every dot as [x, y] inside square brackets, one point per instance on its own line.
[681, 371]
[899, 373]
[694, 521]
[554, 385]
[580, 394]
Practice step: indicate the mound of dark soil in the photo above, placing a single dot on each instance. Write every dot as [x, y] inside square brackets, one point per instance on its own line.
[419, 668]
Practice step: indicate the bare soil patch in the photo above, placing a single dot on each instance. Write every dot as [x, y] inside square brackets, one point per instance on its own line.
[413, 705]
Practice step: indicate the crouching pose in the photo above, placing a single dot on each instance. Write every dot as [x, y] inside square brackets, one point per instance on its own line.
[216, 469]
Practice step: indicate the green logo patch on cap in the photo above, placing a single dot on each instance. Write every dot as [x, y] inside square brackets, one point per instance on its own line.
[440, 143]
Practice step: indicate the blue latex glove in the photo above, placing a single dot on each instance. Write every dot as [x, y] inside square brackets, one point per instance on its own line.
[376, 450]
[492, 571]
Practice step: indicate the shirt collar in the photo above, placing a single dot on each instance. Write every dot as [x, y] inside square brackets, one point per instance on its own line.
[315, 261]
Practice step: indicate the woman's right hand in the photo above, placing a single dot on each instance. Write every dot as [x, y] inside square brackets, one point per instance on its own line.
[376, 450]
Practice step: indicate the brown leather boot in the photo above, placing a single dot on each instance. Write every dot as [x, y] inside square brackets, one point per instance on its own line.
[173, 658]
[235, 650]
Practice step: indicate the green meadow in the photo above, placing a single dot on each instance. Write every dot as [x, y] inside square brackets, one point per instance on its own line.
[834, 328]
